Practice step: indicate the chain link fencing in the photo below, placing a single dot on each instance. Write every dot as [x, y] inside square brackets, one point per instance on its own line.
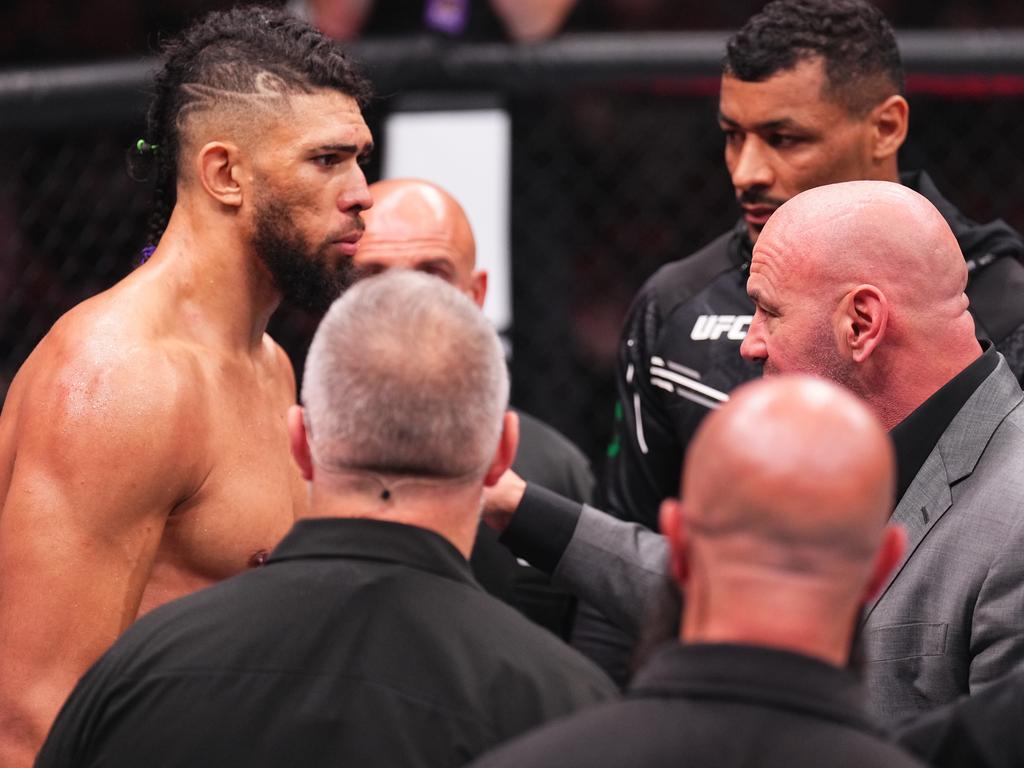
[616, 165]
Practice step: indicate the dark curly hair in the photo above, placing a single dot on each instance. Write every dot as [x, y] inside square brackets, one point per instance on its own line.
[229, 53]
[853, 38]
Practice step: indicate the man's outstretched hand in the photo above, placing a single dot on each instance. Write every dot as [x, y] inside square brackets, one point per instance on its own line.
[502, 499]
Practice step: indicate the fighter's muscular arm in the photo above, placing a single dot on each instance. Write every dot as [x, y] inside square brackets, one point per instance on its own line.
[98, 454]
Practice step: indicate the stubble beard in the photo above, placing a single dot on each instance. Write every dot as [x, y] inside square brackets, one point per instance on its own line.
[825, 361]
[820, 358]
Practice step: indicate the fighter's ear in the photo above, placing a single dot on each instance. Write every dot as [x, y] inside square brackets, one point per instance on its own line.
[220, 167]
[889, 121]
[863, 318]
[299, 441]
[672, 520]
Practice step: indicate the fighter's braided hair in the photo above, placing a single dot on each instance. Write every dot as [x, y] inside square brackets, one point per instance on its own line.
[853, 37]
[232, 56]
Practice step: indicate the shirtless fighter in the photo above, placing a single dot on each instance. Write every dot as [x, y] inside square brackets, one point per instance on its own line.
[143, 447]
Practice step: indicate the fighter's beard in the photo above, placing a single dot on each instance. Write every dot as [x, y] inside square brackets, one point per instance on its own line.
[304, 275]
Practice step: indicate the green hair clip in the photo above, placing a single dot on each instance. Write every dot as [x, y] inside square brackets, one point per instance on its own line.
[143, 146]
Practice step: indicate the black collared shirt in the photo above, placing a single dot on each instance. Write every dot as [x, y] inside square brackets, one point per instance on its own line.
[359, 643]
[915, 437]
[717, 705]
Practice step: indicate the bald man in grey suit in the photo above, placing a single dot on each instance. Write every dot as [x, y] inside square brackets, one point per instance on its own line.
[863, 283]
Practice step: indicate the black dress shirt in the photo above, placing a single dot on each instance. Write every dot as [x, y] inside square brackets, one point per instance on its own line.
[359, 643]
[915, 437]
[717, 706]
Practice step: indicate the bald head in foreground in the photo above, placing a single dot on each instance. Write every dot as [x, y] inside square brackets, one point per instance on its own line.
[781, 537]
[782, 533]
[364, 640]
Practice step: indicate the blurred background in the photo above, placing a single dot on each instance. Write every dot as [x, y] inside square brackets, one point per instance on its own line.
[615, 155]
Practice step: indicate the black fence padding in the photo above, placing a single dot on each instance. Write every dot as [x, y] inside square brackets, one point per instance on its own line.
[617, 169]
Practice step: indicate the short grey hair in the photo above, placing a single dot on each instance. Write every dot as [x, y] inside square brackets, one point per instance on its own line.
[405, 376]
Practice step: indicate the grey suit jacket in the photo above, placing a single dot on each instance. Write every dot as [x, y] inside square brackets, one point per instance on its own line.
[951, 618]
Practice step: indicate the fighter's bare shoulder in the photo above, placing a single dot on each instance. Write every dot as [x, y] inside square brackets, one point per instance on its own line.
[98, 391]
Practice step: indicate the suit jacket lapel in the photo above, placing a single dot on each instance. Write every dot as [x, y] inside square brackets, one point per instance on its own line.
[953, 458]
[925, 501]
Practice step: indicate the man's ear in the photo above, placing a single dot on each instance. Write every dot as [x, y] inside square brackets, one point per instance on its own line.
[889, 121]
[671, 519]
[478, 287]
[863, 317]
[221, 169]
[299, 441]
[890, 554]
[506, 451]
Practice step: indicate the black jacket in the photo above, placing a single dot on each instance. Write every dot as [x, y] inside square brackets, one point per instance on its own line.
[716, 706]
[359, 643]
[679, 352]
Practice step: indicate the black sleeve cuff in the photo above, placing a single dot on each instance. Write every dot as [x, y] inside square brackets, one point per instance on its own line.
[541, 527]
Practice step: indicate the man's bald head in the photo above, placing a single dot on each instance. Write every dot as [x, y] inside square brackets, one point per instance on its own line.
[862, 282]
[786, 496]
[415, 224]
[793, 465]
[842, 235]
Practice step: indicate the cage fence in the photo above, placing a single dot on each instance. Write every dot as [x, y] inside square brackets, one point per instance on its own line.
[613, 175]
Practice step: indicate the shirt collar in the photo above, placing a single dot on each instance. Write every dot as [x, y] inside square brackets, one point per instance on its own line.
[773, 677]
[378, 540]
[741, 249]
[916, 436]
